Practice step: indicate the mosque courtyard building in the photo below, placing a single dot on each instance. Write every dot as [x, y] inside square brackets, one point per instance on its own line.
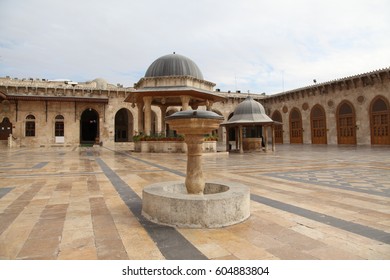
[353, 110]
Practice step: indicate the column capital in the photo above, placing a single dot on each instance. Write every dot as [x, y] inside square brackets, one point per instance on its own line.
[209, 105]
[185, 102]
[147, 100]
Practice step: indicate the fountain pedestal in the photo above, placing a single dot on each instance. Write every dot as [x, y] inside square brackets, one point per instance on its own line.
[194, 180]
[195, 203]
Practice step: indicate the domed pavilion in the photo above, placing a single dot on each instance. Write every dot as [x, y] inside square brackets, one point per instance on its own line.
[171, 80]
[250, 125]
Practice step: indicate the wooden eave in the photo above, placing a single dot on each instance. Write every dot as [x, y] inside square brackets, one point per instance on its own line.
[171, 96]
[3, 96]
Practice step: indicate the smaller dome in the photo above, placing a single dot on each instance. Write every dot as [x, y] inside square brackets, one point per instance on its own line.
[249, 111]
[174, 65]
[100, 83]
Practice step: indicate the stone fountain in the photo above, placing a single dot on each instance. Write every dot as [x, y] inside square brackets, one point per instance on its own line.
[195, 203]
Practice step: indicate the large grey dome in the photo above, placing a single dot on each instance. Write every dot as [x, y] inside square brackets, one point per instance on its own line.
[173, 65]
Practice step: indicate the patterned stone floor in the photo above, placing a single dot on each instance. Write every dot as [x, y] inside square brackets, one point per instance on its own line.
[307, 202]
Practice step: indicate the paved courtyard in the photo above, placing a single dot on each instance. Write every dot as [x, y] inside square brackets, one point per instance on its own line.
[307, 202]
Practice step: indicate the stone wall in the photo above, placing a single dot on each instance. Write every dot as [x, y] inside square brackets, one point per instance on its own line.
[358, 90]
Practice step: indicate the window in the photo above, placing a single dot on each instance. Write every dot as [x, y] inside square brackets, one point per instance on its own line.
[59, 126]
[30, 126]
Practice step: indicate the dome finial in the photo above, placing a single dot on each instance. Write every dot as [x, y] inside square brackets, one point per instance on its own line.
[174, 52]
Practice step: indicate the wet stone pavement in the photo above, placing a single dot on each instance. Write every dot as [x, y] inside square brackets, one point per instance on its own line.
[307, 202]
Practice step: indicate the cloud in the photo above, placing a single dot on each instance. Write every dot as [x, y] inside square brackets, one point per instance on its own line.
[261, 46]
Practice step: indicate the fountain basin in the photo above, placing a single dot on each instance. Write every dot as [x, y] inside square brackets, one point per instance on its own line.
[221, 204]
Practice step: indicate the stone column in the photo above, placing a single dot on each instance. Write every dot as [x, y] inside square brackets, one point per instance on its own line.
[163, 109]
[237, 137]
[227, 139]
[241, 140]
[140, 107]
[273, 138]
[148, 114]
[266, 137]
[185, 102]
[194, 180]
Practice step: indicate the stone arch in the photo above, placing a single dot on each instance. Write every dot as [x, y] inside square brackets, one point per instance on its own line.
[231, 131]
[277, 116]
[124, 125]
[318, 125]
[154, 120]
[168, 131]
[219, 131]
[346, 123]
[89, 127]
[380, 121]
[296, 130]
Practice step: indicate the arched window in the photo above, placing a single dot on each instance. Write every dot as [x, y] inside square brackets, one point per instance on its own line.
[30, 126]
[168, 131]
[59, 125]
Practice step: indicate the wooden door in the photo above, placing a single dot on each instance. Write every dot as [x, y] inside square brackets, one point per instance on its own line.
[5, 129]
[296, 136]
[346, 124]
[380, 122]
[318, 125]
[276, 116]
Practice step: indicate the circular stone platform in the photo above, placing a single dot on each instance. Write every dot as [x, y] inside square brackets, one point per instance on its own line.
[222, 204]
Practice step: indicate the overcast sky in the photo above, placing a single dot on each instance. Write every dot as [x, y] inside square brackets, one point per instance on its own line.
[261, 46]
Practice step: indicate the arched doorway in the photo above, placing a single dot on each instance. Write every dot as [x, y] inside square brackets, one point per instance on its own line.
[296, 136]
[123, 125]
[89, 127]
[346, 124]
[5, 129]
[276, 116]
[318, 125]
[380, 121]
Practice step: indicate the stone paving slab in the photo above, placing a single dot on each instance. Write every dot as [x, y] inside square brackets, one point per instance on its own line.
[308, 202]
